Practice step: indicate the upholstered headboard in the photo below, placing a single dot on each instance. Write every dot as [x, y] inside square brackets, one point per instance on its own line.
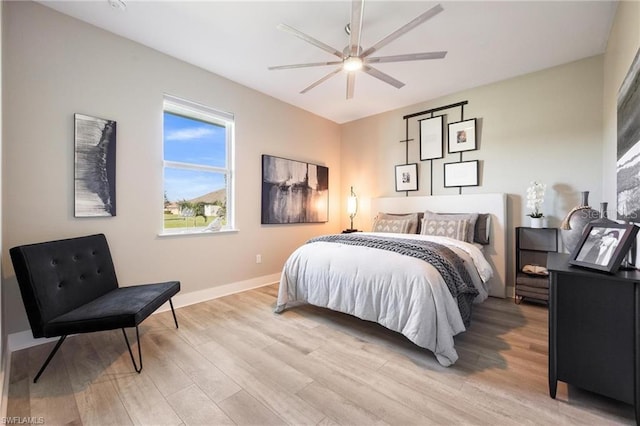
[494, 204]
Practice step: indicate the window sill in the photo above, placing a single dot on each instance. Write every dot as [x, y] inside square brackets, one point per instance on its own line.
[190, 233]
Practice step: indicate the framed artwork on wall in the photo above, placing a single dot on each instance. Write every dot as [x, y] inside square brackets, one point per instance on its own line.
[628, 145]
[463, 173]
[95, 166]
[462, 136]
[407, 177]
[294, 191]
[431, 146]
[603, 246]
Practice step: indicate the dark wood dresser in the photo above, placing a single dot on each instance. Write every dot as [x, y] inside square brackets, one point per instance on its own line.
[594, 330]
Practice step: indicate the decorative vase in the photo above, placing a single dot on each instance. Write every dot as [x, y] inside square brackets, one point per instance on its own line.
[604, 216]
[574, 223]
[536, 222]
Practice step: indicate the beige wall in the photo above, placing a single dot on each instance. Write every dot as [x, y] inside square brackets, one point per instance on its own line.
[624, 42]
[556, 126]
[544, 126]
[55, 66]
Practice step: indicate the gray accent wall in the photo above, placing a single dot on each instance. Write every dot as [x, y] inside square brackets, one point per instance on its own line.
[545, 126]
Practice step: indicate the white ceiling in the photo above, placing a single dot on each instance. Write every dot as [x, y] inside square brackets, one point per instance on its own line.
[486, 42]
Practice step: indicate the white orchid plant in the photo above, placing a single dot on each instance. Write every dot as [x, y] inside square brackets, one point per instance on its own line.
[535, 198]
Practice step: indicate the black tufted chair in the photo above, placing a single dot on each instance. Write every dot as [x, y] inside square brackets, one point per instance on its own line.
[70, 286]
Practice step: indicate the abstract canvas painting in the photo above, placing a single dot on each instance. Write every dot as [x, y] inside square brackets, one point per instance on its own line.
[294, 191]
[95, 166]
[628, 158]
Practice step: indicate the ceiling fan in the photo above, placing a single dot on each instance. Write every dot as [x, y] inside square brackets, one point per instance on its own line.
[354, 58]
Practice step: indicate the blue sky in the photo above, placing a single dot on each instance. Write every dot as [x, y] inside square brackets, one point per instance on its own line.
[191, 141]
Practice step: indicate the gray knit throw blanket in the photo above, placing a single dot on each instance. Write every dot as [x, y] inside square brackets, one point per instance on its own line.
[446, 262]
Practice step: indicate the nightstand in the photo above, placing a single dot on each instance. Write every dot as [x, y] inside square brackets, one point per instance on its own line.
[532, 247]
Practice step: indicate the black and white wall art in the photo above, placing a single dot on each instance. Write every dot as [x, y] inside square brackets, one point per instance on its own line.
[461, 173]
[407, 177]
[628, 158]
[431, 138]
[294, 191]
[95, 166]
[462, 136]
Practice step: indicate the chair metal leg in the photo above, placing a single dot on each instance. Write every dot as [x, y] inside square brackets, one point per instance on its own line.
[51, 354]
[138, 370]
[136, 367]
[174, 313]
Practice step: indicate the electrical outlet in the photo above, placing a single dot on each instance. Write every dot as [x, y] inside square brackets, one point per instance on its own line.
[258, 258]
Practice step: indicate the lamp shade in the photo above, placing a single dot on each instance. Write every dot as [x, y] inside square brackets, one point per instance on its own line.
[352, 208]
[352, 204]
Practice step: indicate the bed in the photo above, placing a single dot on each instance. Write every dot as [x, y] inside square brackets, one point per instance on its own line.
[414, 281]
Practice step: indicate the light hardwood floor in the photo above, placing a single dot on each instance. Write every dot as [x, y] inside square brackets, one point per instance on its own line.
[233, 361]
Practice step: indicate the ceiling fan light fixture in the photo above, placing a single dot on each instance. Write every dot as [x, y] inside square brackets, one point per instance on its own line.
[352, 63]
[353, 58]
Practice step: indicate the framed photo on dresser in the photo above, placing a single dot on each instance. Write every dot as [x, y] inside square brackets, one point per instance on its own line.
[604, 245]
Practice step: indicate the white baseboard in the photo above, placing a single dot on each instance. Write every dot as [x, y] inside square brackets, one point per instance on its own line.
[193, 297]
[24, 339]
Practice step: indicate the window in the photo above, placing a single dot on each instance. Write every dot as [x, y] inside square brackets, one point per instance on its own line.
[198, 172]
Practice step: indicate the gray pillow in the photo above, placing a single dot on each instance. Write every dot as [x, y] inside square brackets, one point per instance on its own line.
[481, 229]
[471, 217]
[386, 220]
[452, 228]
[481, 234]
[398, 226]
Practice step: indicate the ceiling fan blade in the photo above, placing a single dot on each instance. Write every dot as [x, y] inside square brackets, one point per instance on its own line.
[351, 83]
[312, 64]
[310, 40]
[407, 57]
[403, 30]
[382, 76]
[322, 80]
[357, 11]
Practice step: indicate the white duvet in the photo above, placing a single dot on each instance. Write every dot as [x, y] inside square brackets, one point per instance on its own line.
[400, 292]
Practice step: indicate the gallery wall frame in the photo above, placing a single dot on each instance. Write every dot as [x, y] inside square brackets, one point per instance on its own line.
[293, 191]
[462, 136]
[604, 245]
[94, 166]
[431, 138]
[628, 145]
[407, 177]
[462, 173]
